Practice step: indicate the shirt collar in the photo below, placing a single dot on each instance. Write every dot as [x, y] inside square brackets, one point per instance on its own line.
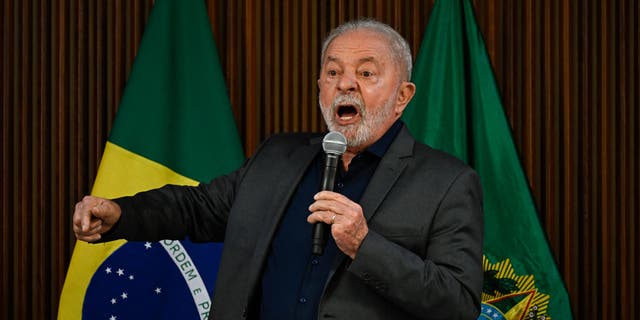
[379, 148]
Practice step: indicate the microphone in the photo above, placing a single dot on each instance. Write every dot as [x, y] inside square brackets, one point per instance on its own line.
[334, 145]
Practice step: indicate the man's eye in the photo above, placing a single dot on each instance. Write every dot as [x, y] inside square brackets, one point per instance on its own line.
[332, 73]
[367, 74]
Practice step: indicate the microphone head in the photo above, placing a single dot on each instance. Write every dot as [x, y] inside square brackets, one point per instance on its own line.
[335, 143]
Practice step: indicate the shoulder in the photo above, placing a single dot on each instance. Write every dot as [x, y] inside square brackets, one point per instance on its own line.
[293, 138]
[285, 143]
[425, 156]
[283, 146]
[437, 168]
[438, 158]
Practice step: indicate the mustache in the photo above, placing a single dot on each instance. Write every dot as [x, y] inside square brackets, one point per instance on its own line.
[348, 99]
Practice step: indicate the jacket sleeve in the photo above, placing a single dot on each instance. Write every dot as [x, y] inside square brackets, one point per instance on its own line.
[175, 212]
[447, 282]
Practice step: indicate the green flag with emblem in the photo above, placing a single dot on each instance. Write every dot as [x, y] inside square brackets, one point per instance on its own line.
[457, 109]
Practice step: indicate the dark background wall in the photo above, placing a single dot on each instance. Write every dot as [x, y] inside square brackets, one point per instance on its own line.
[567, 70]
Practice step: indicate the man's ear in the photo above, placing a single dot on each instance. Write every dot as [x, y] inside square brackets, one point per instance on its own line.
[405, 94]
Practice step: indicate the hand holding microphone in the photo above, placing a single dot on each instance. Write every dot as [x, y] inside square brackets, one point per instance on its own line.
[348, 225]
[334, 145]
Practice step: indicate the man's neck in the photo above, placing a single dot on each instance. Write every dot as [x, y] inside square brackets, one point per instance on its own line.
[346, 159]
[351, 152]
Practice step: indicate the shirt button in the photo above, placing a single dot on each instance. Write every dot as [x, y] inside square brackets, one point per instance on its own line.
[302, 300]
[340, 185]
[314, 261]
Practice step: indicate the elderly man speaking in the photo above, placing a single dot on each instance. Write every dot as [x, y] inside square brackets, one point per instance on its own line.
[404, 221]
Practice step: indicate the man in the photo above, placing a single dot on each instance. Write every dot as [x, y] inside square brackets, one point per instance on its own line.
[406, 220]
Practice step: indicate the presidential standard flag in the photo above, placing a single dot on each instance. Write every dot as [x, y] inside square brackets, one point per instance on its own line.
[457, 108]
[174, 126]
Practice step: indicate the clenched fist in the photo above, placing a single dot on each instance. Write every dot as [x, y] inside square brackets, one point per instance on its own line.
[94, 216]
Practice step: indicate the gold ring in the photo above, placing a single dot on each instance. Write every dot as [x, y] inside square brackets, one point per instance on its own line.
[333, 219]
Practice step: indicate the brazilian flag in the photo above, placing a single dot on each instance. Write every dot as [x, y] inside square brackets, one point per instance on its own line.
[457, 108]
[174, 126]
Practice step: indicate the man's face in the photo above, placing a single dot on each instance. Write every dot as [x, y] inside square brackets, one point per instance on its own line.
[361, 91]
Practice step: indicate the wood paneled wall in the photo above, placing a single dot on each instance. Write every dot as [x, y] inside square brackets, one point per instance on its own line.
[567, 70]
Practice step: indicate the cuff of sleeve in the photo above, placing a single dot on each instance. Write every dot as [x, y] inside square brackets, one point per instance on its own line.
[113, 233]
[363, 266]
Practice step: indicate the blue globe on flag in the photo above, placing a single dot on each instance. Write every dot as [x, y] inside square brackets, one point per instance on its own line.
[154, 280]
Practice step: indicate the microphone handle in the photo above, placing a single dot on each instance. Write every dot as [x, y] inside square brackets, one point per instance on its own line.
[320, 231]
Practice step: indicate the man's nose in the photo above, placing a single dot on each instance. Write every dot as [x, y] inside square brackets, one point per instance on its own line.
[347, 83]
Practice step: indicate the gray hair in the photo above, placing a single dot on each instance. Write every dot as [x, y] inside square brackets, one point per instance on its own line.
[399, 46]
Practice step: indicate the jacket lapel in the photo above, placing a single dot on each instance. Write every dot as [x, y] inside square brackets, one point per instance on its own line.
[288, 181]
[391, 166]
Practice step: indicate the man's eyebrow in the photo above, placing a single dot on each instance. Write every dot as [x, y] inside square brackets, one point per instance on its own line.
[367, 59]
[361, 60]
[332, 59]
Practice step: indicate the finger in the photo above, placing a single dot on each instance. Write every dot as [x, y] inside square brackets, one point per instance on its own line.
[81, 216]
[329, 205]
[77, 216]
[85, 206]
[76, 229]
[86, 220]
[329, 195]
[337, 197]
[321, 216]
[90, 238]
[91, 201]
[95, 226]
[98, 208]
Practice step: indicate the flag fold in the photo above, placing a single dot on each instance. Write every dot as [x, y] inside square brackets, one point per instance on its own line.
[457, 109]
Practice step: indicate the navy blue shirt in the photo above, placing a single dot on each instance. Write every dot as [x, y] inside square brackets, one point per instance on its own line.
[294, 279]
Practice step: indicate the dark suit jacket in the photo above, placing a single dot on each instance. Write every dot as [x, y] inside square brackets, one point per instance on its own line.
[422, 257]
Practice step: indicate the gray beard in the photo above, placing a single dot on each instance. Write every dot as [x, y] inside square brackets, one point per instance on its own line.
[357, 134]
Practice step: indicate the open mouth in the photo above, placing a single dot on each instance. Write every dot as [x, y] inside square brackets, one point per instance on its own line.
[347, 112]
